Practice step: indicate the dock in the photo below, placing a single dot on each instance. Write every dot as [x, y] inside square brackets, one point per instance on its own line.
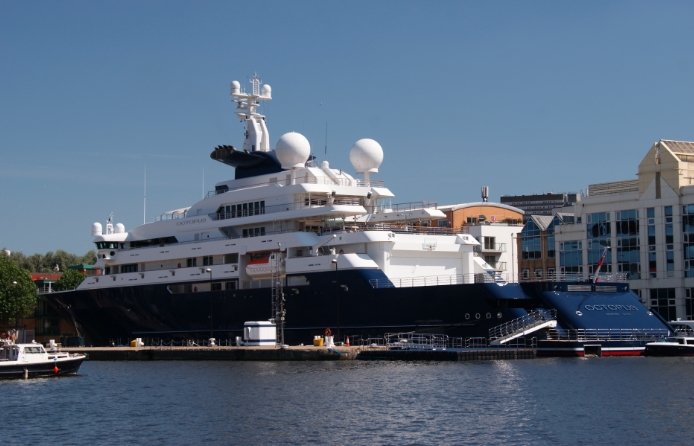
[295, 353]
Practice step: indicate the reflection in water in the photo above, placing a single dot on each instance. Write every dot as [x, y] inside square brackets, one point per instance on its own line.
[544, 401]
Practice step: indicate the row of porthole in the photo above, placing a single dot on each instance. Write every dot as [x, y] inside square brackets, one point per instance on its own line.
[479, 316]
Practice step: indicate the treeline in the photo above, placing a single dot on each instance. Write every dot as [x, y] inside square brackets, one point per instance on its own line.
[51, 261]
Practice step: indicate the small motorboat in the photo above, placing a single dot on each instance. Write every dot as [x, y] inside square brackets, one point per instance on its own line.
[33, 360]
[680, 344]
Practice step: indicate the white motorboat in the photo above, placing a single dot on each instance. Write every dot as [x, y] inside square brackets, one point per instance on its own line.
[681, 344]
[33, 360]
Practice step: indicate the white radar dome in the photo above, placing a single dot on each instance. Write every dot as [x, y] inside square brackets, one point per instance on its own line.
[120, 228]
[97, 229]
[266, 91]
[292, 150]
[366, 155]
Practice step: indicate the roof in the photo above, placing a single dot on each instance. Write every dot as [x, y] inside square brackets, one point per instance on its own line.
[455, 207]
[46, 276]
[82, 267]
[542, 221]
[679, 147]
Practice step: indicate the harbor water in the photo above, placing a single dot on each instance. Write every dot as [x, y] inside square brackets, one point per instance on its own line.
[557, 401]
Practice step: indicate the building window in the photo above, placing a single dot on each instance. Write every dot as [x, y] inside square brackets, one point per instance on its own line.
[571, 257]
[688, 239]
[599, 233]
[531, 241]
[490, 243]
[669, 240]
[662, 301]
[550, 237]
[628, 249]
[652, 257]
[491, 260]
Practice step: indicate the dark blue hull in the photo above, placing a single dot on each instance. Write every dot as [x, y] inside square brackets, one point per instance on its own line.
[343, 301]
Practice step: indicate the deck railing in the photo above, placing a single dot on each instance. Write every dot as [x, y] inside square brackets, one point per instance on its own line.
[612, 334]
[437, 280]
[576, 277]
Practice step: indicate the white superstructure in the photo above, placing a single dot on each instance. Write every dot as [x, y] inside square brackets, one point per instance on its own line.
[281, 201]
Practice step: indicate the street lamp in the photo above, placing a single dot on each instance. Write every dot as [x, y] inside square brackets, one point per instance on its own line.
[211, 340]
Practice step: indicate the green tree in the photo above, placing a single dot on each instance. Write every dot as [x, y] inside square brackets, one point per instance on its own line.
[89, 258]
[69, 280]
[46, 263]
[17, 291]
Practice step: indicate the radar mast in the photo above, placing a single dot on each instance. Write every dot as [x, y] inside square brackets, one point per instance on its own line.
[257, 136]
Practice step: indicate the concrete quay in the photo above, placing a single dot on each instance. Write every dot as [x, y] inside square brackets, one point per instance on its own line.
[294, 353]
[222, 353]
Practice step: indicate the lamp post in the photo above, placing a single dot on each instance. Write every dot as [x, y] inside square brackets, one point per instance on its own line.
[209, 271]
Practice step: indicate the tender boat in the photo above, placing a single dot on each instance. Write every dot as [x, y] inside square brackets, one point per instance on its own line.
[33, 360]
[681, 344]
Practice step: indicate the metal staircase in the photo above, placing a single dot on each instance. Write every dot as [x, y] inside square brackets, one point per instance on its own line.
[531, 322]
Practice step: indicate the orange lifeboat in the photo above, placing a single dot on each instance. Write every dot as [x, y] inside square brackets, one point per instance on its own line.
[260, 264]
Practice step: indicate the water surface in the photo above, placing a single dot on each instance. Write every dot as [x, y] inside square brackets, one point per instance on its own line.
[517, 402]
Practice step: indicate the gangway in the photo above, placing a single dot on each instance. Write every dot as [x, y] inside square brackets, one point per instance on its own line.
[534, 321]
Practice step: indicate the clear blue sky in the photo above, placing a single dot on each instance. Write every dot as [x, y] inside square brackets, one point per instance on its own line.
[526, 97]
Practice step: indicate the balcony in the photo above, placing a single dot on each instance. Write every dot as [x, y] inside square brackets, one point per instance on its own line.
[496, 248]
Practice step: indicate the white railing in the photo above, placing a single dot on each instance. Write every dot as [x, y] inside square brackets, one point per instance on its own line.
[416, 341]
[306, 179]
[603, 334]
[523, 323]
[437, 280]
[576, 277]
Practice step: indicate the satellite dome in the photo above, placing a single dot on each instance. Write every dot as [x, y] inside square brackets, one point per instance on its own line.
[366, 155]
[266, 91]
[292, 150]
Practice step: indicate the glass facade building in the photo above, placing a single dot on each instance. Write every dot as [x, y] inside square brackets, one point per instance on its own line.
[645, 229]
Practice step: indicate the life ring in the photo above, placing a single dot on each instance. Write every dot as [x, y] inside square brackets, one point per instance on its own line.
[328, 332]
